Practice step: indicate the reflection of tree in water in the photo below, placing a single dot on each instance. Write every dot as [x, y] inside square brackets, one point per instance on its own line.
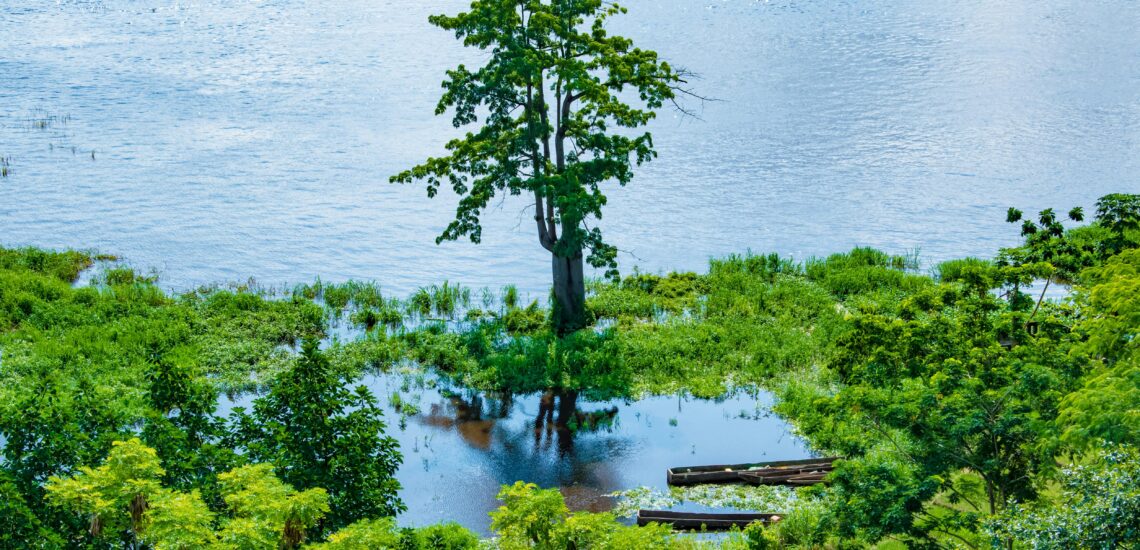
[570, 420]
[473, 417]
[542, 450]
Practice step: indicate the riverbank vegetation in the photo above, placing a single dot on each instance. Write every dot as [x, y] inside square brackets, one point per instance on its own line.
[973, 407]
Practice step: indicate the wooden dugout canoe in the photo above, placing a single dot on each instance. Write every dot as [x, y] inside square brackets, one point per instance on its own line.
[685, 521]
[730, 473]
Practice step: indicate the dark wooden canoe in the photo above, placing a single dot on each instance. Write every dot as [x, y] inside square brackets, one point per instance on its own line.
[730, 473]
[695, 521]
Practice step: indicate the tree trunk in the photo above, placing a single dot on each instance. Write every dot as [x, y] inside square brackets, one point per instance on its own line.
[545, 411]
[567, 406]
[569, 312]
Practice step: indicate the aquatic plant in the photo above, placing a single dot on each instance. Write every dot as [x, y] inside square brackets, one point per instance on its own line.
[39, 119]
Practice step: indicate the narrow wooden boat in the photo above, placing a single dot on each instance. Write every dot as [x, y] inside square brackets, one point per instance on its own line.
[730, 473]
[684, 521]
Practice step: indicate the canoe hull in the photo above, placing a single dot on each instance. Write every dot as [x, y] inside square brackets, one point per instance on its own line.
[690, 521]
[730, 473]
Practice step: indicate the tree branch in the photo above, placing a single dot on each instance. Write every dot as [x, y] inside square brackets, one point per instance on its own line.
[544, 237]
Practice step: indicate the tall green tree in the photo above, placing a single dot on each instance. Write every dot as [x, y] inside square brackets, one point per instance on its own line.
[557, 120]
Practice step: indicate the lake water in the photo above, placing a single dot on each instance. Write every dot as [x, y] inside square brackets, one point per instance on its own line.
[216, 140]
[460, 446]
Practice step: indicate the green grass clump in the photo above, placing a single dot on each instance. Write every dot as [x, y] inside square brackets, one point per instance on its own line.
[64, 266]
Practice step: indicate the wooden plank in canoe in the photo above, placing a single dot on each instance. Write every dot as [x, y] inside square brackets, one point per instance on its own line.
[806, 480]
[789, 470]
[756, 478]
[697, 520]
[728, 473]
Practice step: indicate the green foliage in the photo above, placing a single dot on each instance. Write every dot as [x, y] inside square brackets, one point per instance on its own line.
[84, 366]
[178, 521]
[559, 105]
[1069, 251]
[19, 524]
[749, 318]
[932, 385]
[114, 495]
[1107, 407]
[383, 533]
[320, 433]
[365, 535]
[181, 425]
[521, 321]
[1112, 314]
[964, 270]
[864, 270]
[63, 266]
[1120, 214]
[1099, 507]
[123, 500]
[804, 526]
[443, 301]
[942, 385]
[538, 518]
[266, 511]
[529, 516]
[486, 356]
[444, 536]
[643, 296]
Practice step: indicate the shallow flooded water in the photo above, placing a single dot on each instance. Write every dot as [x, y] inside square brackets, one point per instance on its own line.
[462, 446]
[217, 140]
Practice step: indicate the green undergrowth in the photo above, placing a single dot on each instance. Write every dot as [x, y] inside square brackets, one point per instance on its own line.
[89, 349]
